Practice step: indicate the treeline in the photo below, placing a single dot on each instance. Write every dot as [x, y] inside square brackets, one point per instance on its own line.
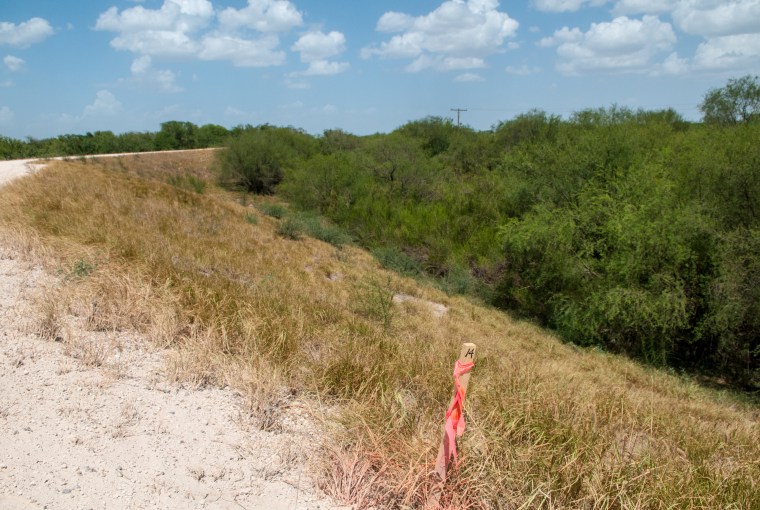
[173, 135]
[630, 230]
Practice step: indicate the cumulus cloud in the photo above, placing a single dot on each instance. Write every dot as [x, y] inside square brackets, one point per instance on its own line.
[623, 44]
[325, 68]
[158, 43]
[105, 104]
[441, 63]
[25, 34]
[174, 15]
[458, 34]
[673, 65]
[185, 28]
[13, 63]
[260, 52]
[732, 52]
[320, 46]
[144, 74]
[141, 65]
[167, 31]
[711, 18]
[565, 5]
[316, 48]
[730, 28]
[630, 7]
[263, 16]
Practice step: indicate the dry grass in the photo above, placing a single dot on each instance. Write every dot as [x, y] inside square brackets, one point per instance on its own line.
[550, 426]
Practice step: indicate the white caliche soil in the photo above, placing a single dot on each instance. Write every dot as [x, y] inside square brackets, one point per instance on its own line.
[17, 168]
[93, 424]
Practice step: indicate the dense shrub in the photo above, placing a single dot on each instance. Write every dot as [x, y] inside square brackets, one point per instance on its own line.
[254, 162]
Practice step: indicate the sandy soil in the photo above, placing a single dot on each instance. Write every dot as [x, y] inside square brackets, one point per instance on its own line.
[110, 432]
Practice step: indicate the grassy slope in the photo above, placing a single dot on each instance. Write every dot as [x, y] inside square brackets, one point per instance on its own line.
[549, 426]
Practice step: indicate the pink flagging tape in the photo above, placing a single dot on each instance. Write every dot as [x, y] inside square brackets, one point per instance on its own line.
[455, 414]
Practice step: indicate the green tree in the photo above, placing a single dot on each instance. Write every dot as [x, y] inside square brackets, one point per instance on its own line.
[177, 135]
[212, 135]
[737, 102]
[254, 161]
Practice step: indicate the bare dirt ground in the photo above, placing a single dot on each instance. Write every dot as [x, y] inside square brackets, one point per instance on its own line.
[93, 423]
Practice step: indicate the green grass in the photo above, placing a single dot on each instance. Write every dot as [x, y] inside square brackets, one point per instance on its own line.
[274, 210]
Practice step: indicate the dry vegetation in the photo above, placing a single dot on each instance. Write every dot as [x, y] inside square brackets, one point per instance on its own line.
[550, 426]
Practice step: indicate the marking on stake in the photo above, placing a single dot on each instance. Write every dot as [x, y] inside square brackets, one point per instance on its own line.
[466, 356]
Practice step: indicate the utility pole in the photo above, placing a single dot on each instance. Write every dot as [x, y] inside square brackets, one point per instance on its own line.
[458, 110]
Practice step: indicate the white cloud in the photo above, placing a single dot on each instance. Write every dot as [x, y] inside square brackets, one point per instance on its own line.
[158, 43]
[523, 70]
[141, 65]
[105, 104]
[25, 34]
[674, 65]
[167, 31]
[13, 63]
[319, 46]
[144, 74]
[6, 115]
[174, 15]
[565, 5]
[455, 33]
[440, 63]
[6, 84]
[394, 22]
[183, 28]
[732, 52]
[643, 7]
[623, 44]
[325, 68]
[263, 16]
[718, 18]
[316, 48]
[563, 35]
[468, 78]
[241, 52]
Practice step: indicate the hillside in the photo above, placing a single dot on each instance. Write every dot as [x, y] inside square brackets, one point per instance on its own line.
[248, 300]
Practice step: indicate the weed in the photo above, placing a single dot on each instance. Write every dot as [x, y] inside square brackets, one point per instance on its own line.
[273, 210]
[50, 322]
[197, 473]
[188, 182]
[90, 352]
[376, 302]
[319, 228]
[129, 416]
[81, 269]
[251, 218]
[396, 260]
[290, 228]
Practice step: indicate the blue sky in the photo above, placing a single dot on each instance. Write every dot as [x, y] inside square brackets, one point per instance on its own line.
[72, 66]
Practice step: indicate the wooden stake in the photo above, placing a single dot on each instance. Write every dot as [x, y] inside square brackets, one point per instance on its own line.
[466, 355]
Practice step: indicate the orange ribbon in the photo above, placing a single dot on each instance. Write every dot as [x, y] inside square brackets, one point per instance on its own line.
[455, 415]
